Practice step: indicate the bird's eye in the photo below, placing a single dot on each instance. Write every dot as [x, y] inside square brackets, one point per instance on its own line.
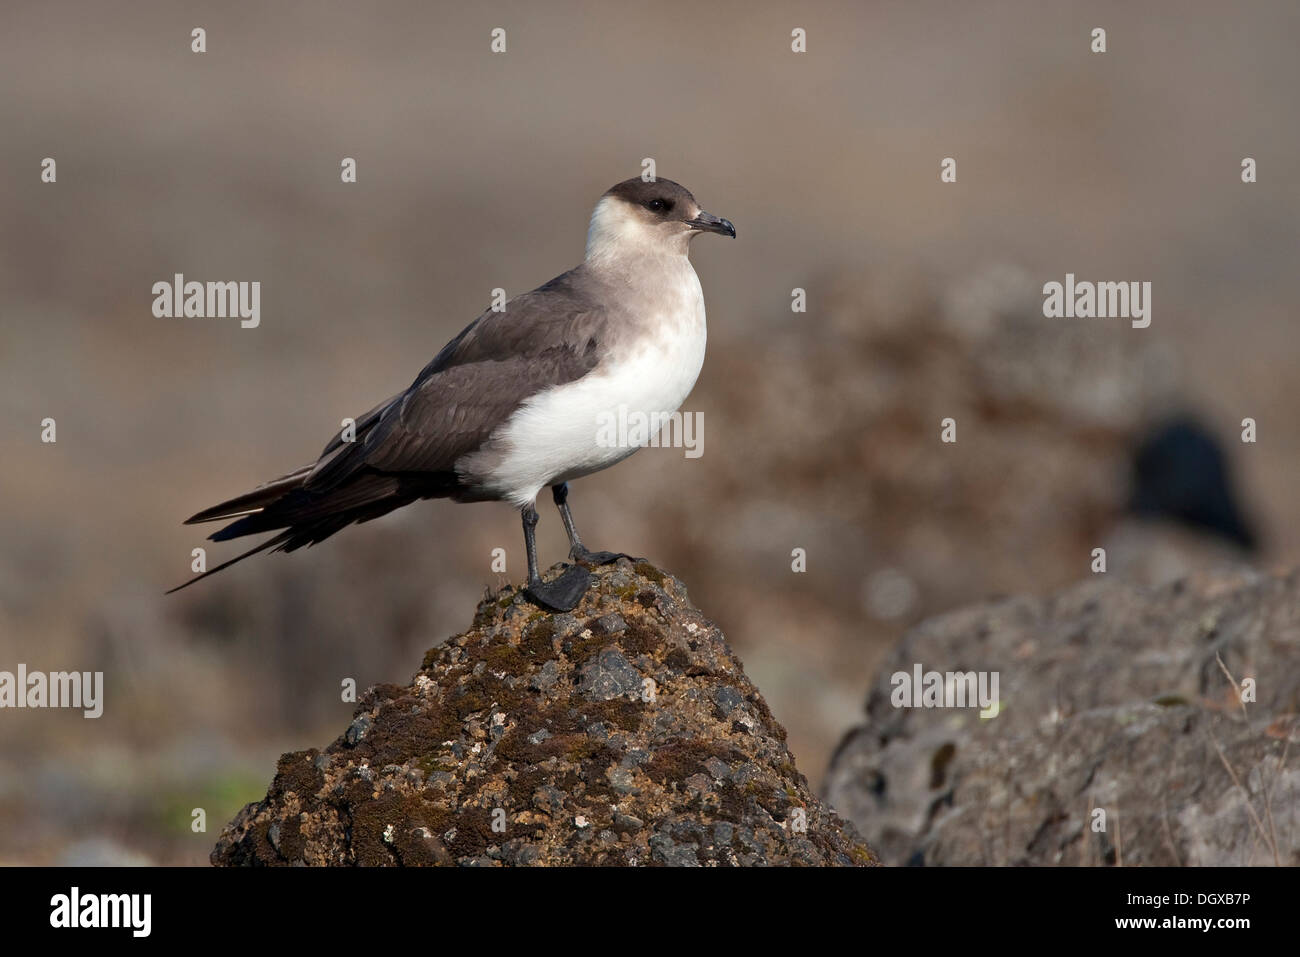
[660, 205]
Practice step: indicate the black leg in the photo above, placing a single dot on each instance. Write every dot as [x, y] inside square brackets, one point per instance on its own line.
[577, 551]
[565, 592]
[530, 542]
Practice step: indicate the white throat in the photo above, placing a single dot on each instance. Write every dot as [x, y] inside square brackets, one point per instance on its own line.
[618, 234]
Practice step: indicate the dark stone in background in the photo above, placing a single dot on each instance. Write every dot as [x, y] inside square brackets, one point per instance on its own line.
[1113, 697]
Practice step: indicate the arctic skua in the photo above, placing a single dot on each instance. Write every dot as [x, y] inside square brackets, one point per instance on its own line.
[512, 405]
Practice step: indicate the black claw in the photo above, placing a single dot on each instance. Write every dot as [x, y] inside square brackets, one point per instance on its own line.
[564, 593]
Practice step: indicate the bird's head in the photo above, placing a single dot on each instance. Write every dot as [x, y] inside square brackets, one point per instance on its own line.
[649, 218]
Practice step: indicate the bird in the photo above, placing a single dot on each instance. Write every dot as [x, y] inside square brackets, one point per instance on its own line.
[512, 404]
[1181, 472]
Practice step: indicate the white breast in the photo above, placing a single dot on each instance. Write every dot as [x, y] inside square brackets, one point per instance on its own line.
[562, 433]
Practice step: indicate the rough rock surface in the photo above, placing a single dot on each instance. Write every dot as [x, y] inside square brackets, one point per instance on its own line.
[1112, 697]
[624, 732]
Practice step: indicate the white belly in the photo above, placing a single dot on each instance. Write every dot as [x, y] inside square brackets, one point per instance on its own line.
[565, 432]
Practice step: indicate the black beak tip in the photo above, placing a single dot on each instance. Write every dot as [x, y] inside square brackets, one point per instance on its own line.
[707, 222]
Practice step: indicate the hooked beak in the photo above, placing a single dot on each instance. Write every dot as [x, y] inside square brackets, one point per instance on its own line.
[709, 223]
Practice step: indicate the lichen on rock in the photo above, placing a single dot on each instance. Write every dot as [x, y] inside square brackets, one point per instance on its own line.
[622, 733]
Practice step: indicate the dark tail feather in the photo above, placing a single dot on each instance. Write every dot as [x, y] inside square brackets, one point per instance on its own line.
[305, 517]
[264, 520]
[254, 501]
[277, 540]
[318, 515]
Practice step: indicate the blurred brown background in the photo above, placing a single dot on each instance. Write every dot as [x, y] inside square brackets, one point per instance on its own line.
[479, 170]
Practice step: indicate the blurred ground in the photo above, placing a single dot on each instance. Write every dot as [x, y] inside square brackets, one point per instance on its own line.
[478, 171]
